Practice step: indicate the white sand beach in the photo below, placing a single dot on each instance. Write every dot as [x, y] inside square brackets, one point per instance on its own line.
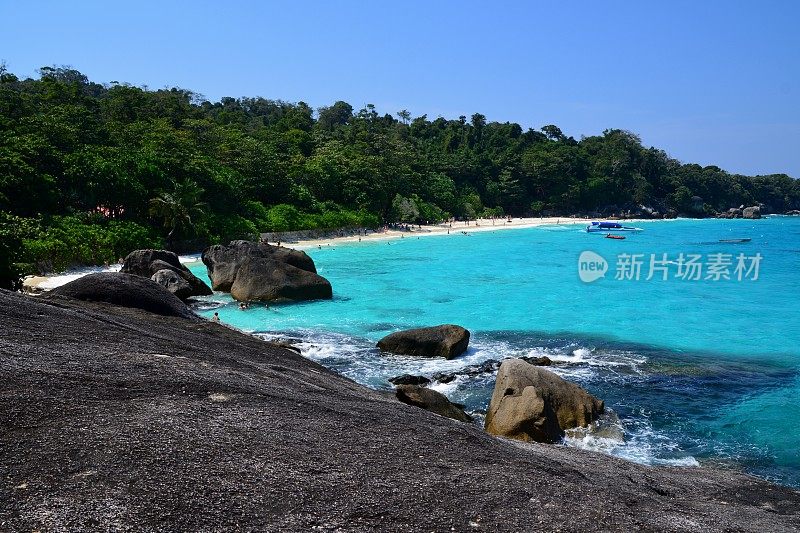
[455, 228]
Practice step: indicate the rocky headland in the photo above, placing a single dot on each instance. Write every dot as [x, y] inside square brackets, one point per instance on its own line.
[115, 417]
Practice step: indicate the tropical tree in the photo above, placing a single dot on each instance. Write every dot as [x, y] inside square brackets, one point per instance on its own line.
[178, 209]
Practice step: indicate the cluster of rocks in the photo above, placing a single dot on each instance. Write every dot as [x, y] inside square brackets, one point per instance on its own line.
[753, 212]
[257, 271]
[528, 403]
[165, 268]
[250, 271]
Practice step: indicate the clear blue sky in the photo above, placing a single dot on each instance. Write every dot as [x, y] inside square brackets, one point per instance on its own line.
[712, 82]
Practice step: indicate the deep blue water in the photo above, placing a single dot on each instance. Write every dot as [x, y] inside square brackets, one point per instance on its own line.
[694, 371]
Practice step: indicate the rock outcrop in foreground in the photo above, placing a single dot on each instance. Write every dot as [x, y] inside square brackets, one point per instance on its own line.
[446, 341]
[125, 290]
[115, 418]
[533, 404]
[152, 264]
[253, 271]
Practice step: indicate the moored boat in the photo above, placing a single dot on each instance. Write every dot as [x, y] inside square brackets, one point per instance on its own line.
[606, 227]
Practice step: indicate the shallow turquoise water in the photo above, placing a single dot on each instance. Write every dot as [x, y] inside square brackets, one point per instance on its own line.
[697, 371]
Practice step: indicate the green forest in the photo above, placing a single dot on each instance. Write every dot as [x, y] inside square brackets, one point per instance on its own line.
[90, 171]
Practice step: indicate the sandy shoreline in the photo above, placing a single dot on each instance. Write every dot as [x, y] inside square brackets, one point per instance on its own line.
[456, 228]
[38, 284]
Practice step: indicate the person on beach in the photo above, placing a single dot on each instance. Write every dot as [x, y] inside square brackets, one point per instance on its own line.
[215, 318]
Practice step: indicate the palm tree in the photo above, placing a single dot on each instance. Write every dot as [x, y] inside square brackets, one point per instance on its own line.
[178, 208]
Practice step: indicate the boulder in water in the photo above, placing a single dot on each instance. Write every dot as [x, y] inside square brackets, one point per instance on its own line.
[263, 279]
[446, 341]
[125, 290]
[223, 262]
[432, 401]
[147, 262]
[751, 212]
[533, 404]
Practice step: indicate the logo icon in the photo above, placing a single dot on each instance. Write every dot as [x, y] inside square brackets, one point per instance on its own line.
[591, 266]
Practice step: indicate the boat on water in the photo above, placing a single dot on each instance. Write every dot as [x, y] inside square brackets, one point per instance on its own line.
[734, 241]
[606, 227]
[617, 237]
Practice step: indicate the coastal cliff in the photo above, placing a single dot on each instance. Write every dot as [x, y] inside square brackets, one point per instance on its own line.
[115, 418]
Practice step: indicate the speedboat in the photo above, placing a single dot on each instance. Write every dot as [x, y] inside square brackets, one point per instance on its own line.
[606, 227]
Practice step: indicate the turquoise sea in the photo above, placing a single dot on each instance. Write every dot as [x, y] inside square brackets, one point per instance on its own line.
[702, 371]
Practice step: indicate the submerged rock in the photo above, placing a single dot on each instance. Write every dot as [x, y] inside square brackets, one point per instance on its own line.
[408, 379]
[147, 262]
[432, 401]
[446, 341]
[538, 361]
[533, 404]
[445, 377]
[261, 279]
[223, 262]
[125, 290]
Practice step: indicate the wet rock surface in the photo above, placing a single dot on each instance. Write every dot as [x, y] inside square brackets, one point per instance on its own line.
[446, 340]
[116, 418]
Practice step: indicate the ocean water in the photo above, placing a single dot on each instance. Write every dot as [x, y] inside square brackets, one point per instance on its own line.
[693, 371]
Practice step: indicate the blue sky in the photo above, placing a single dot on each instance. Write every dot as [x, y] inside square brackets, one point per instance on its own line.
[710, 82]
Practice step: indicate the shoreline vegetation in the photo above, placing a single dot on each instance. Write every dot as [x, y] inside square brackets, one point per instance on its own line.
[314, 240]
[91, 171]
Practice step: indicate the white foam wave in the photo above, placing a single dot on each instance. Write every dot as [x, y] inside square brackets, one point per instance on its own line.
[638, 442]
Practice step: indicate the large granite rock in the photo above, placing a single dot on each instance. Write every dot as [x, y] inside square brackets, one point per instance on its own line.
[146, 263]
[432, 401]
[121, 419]
[125, 290]
[751, 212]
[264, 279]
[446, 341]
[223, 262]
[173, 282]
[533, 404]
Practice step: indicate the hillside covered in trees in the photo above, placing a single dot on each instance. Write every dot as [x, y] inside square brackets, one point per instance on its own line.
[90, 171]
